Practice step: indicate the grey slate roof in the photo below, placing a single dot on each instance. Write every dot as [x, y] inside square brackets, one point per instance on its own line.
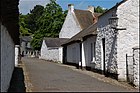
[91, 30]
[54, 42]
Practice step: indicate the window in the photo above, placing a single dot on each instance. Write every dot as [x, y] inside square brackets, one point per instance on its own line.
[91, 47]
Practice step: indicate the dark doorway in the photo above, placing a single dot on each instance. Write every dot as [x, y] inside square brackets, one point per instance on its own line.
[81, 54]
[104, 65]
[64, 54]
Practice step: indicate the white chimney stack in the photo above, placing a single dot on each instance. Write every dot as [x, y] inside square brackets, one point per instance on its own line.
[71, 7]
[91, 9]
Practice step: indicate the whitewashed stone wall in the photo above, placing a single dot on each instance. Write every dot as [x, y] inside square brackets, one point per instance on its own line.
[89, 59]
[7, 58]
[110, 49]
[73, 53]
[49, 53]
[128, 14]
[119, 44]
[70, 26]
[105, 31]
[136, 54]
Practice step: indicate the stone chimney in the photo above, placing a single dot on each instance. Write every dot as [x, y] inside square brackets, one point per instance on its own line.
[91, 9]
[71, 7]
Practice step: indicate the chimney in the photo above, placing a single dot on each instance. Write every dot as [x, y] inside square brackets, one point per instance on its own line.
[71, 7]
[91, 9]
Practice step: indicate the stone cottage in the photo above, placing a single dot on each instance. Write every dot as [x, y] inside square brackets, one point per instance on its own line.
[75, 21]
[118, 33]
[9, 38]
[50, 49]
[80, 49]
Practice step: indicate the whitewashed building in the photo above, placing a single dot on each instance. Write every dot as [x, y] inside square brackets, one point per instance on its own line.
[9, 35]
[118, 33]
[50, 49]
[76, 20]
[80, 49]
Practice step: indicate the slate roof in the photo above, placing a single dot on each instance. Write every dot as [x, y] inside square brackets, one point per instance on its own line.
[54, 42]
[10, 17]
[91, 30]
[84, 17]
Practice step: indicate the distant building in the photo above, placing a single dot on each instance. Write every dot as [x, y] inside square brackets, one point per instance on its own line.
[9, 38]
[50, 48]
[25, 46]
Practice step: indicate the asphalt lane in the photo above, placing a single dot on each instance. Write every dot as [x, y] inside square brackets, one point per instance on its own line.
[48, 76]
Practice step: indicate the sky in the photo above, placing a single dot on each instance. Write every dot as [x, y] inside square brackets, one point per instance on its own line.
[26, 5]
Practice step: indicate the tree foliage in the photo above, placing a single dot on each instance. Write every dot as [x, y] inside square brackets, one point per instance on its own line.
[44, 22]
[99, 9]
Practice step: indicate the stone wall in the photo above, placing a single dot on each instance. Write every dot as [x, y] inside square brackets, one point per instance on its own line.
[136, 59]
[106, 32]
[128, 14]
[7, 58]
[49, 53]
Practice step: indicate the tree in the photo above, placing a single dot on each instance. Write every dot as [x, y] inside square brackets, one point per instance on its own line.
[99, 9]
[49, 24]
[24, 31]
[33, 17]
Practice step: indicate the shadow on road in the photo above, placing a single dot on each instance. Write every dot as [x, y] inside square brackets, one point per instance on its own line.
[17, 82]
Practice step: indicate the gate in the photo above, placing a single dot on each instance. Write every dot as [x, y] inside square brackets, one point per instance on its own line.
[130, 69]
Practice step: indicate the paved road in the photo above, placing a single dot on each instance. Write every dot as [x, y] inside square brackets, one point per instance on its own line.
[52, 77]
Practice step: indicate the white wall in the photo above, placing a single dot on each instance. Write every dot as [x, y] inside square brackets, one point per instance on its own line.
[16, 55]
[7, 58]
[73, 53]
[48, 53]
[128, 14]
[89, 58]
[61, 54]
[70, 26]
[104, 31]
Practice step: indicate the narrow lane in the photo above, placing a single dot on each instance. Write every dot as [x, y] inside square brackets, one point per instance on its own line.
[51, 77]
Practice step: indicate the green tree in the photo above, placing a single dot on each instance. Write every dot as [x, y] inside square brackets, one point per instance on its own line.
[24, 31]
[49, 23]
[99, 9]
[33, 17]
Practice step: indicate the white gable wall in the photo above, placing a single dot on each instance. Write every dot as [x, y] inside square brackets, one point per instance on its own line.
[128, 14]
[70, 26]
[7, 58]
[49, 53]
[43, 50]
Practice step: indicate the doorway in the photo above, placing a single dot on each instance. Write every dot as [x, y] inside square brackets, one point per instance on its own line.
[103, 56]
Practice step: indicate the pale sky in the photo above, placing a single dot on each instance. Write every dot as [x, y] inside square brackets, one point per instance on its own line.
[26, 5]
